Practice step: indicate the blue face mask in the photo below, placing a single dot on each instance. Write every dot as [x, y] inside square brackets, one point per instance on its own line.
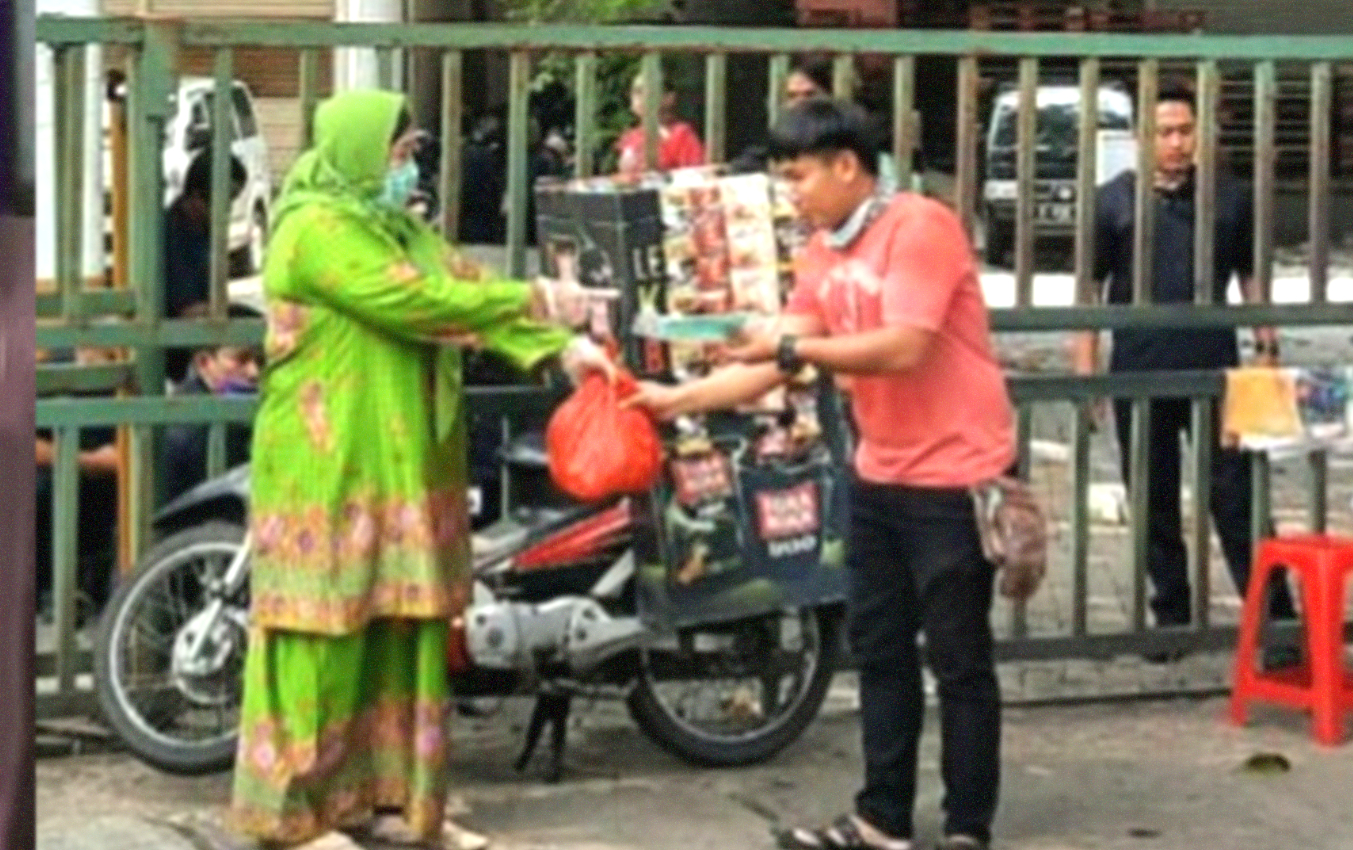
[400, 183]
[237, 386]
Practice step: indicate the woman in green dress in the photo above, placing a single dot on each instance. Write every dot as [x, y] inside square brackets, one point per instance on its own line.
[358, 488]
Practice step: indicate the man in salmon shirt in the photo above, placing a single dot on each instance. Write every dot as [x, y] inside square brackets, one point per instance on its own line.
[887, 293]
[678, 144]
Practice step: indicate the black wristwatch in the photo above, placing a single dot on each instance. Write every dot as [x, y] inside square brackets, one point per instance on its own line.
[787, 358]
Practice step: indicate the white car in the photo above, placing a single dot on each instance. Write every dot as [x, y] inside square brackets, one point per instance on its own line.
[189, 129]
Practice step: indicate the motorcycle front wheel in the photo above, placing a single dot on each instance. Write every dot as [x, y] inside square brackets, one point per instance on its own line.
[168, 672]
[735, 694]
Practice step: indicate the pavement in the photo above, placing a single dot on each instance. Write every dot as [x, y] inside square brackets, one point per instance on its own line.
[1158, 775]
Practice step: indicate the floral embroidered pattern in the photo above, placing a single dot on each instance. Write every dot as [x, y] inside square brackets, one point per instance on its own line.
[313, 560]
[404, 272]
[286, 321]
[316, 416]
[462, 267]
[386, 734]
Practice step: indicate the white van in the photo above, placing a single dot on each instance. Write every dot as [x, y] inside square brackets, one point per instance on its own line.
[1055, 158]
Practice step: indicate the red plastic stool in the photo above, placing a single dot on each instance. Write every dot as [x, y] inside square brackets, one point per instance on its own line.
[1321, 684]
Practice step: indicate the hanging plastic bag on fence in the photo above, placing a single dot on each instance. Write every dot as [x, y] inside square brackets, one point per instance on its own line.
[596, 448]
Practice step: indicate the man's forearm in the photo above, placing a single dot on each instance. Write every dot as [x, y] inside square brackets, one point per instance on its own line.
[727, 387]
[100, 461]
[877, 352]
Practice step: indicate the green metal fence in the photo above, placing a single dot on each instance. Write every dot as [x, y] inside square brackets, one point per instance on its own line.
[132, 320]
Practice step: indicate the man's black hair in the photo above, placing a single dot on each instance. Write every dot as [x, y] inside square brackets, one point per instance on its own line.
[823, 127]
[816, 68]
[198, 179]
[234, 310]
[1177, 91]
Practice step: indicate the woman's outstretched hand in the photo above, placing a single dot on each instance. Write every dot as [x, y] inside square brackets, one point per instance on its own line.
[583, 357]
[565, 301]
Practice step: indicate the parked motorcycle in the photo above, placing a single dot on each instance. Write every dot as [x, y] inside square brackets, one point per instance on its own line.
[554, 615]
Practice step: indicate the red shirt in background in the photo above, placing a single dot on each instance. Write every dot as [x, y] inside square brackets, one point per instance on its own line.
[678, 147]
[948, 422]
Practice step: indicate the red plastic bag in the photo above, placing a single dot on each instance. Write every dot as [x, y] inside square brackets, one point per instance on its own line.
[598, 449]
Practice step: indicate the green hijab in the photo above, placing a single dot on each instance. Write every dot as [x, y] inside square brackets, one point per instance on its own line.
[347, 164]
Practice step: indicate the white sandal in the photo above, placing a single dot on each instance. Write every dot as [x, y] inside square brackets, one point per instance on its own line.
[392, 829]
[330, 841]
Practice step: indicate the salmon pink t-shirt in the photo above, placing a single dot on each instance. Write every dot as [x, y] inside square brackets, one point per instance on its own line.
[678, 147]
[947, 422]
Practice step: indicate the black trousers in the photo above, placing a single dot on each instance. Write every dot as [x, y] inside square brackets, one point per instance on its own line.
[97, 535]
[915, 564]
[1167, 560]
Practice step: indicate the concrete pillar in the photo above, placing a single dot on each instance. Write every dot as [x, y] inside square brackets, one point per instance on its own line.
[356, 68]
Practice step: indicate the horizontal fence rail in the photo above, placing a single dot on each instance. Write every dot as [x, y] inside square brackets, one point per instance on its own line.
[129, 316]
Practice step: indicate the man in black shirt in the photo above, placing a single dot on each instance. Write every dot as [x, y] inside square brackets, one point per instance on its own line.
[187, 248]
[1172, 282]
[96, 523]
[222, 370]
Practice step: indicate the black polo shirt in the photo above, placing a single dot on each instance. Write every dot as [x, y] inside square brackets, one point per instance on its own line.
[1172, 270]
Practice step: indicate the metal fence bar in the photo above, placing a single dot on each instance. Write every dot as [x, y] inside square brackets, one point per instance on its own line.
[65, 548]
[777, 73]
[1025, 174]
[904, 125]
[716, 106]
[1164, 316]
[222, 132]
[965, 177]
[1087, 288]
[1318, 466]
[651, 72]
[1204, 293]
[69, 111]
[1261, 505]
[385, 68]
[1322, 107]
[843, 76]
[307, 95]
[96, 302]
[1139, 483]
[518, 175]
[449, 174]
[1139, 492]
[585, 114]
[1200, 529]
[1081, 475]
[151, 84]
[65, 379]
[708, 38]
[1024, 389]
[216, 449]
[1265, 122]
[1019, 610]
[1144, 227]
[1205, 186]
[1003, 320]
